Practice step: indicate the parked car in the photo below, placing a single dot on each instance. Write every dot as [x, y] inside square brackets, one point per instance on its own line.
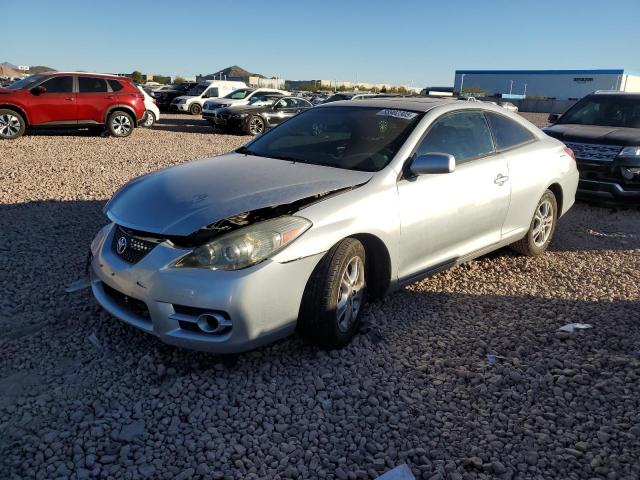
[344, 202]
[509, 106]
[70, 100]
[165, 97]
[152, 113]
[262, 112]
[241, 96]
[603, 129]
[194, 99]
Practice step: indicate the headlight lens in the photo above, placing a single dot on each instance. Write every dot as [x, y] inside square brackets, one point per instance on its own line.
[239, 115]
[630, 152]
[246, 246]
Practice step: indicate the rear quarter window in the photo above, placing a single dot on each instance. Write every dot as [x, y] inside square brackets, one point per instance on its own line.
[115, 85]
[507, 133]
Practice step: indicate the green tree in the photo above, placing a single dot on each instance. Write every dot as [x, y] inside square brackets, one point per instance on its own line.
[179, 79]
[383, 90]
[136, 76]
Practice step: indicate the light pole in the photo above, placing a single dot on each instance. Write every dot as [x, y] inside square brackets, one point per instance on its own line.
[525, 90]
[461, 82]
[510, 87]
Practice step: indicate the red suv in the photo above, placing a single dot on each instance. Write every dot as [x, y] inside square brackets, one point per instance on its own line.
[71, 100]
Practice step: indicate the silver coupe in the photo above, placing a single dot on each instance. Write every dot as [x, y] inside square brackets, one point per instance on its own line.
[340, 204]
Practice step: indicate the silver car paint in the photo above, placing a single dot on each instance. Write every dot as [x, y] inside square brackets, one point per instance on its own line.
[424, 223]
[183, 199]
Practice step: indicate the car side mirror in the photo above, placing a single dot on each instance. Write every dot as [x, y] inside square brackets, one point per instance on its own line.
[433, 163]
[554, 117]
[39, 90]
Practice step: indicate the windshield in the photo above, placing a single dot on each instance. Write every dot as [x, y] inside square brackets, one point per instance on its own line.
[610, 111]
[354, 138]
[239, 94]
[262, 100]
[198, 90]
[25, 82]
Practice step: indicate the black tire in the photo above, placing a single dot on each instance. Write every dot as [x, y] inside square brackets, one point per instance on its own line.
[531, 244]
[195, 109]
[120, 124]
[149, 119]
[255, 125]
[12, 124]
[320, 322]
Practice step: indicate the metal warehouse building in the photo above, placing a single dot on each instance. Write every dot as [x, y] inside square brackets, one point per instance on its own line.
[556, 84]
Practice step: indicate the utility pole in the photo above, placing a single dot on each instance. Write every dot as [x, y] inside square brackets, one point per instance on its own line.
[510, 87]
[525, 90]
[461, 82]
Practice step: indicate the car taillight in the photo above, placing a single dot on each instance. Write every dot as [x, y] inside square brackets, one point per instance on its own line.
[569, 152]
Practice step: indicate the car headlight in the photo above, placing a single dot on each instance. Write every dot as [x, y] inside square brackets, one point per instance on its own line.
[181, 102]
[239, 115]
[633, 152]
[98, 239]
[246, 246]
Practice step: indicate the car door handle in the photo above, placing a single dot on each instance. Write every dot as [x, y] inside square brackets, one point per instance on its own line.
[500, 179]
[69, 99]
[109, 96]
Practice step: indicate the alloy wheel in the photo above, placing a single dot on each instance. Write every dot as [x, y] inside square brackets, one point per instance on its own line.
[542, 223]
[149, 120]
[256, 126]
[350, 294]
[121, 124]
[9, 125]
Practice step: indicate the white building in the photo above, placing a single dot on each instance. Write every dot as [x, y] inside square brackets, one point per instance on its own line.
[557, 84]
[24, 68]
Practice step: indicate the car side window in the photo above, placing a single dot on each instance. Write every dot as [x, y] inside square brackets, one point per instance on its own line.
[59, 85]
[465, 135]
[212, 92]
[115, 85]
[92, 85]
[507, 133]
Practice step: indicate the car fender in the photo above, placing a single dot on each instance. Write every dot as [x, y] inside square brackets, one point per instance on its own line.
[121, 106]
[16, 106]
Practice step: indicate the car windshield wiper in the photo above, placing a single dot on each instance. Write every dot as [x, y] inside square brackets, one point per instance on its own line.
[288, 159]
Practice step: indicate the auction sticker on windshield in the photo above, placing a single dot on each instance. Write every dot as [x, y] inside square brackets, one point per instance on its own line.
[404, 114]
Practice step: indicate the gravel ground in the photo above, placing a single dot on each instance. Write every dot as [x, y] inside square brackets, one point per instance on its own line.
[85, 396]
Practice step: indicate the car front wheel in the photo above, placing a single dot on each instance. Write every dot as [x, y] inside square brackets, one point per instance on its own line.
[195, 109]
[541, 229]
[120, 124]
[255, 125]
[332, 304]
[12, 125]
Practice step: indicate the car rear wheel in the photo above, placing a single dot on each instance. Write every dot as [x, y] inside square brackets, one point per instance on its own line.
[149, 119]
[332, 303]
[255, 125]
[12, 124]
[120, 124]
[195, 109]
[542, 228]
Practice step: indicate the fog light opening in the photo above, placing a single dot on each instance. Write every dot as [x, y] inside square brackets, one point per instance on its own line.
[210, 322]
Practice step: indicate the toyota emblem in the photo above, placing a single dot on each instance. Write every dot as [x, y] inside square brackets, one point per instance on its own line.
[122, 245]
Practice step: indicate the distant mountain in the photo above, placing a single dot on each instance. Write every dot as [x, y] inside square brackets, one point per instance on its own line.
[41, 69]
[10, 70]
[232, 73]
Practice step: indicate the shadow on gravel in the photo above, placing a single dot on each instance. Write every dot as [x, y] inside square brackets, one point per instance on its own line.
[189, 124]
[588, 227]
[66, 132]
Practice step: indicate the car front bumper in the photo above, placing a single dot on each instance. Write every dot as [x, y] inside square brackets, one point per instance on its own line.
[179, 107]
[604, 183]
[261, 302]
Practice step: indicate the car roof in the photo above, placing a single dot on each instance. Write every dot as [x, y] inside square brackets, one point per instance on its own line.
[401, 103]
[89, 74]
[616, 93]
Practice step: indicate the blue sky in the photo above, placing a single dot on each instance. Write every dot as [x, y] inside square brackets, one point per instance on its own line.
[414, 42]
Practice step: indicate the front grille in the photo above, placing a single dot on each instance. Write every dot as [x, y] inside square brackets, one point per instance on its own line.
[594, 152]
[135, 306]
[129, 247]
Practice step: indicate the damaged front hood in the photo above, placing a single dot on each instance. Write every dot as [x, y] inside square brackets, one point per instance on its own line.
[183, 199]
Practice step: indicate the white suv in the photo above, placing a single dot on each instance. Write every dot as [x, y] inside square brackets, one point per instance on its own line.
[193, 100]
[239, 97]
